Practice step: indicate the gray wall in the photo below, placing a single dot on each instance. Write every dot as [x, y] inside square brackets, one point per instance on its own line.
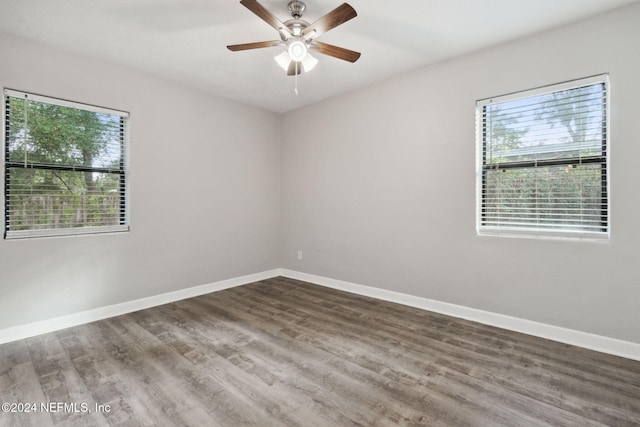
[379, 186]
[205, 192]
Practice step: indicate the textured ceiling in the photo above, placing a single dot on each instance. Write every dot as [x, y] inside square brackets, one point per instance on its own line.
[185, 40]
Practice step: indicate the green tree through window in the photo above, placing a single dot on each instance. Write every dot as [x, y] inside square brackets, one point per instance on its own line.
[64, 167]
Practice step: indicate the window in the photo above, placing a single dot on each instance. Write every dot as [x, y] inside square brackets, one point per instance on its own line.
[65, 169]
[543, 162]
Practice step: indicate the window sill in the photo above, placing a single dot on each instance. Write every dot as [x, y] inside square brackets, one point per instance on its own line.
[544, 234]
[80, 231]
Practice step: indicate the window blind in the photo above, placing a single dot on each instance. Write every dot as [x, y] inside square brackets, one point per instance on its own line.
[543, 163]
[65, 167]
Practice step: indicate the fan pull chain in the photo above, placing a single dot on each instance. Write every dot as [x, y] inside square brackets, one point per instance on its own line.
[296, 77]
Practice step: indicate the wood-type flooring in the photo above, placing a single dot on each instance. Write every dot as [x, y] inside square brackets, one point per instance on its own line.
[281, 352]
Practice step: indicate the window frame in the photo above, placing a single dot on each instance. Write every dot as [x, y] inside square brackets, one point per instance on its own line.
[482, 168]
[122, 171]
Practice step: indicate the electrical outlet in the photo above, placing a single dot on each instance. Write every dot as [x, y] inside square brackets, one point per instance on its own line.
[299, 255]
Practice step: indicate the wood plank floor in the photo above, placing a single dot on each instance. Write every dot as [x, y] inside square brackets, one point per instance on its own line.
[284, 352]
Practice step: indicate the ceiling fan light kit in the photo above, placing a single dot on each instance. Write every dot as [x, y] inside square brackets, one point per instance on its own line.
[297, 36]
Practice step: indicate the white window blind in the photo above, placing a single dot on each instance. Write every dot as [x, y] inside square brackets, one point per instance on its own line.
[65, 167]
[543, 161]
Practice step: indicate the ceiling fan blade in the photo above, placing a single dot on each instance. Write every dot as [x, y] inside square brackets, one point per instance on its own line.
[255, 45]
[337, 16]
[266, 16]
[293, 69]
[335, 51]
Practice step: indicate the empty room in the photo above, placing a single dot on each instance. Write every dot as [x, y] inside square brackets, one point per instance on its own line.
[315, 213]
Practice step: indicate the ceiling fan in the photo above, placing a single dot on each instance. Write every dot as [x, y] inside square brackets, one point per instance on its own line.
[298, 37]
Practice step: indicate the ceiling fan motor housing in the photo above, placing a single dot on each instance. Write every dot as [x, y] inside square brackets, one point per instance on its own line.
[296, 26]
[297, 8]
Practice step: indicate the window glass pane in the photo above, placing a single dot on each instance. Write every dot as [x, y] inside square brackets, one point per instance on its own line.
[552, 197]
[52, 134]
[565, 124]
[52, 199]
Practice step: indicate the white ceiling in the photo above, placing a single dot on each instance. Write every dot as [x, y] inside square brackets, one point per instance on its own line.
[185, 40]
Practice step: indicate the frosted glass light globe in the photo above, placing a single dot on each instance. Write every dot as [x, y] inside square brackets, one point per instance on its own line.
[297, 50]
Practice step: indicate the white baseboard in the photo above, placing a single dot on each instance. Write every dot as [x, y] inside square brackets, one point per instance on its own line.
[595, 342]
[55, 324]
